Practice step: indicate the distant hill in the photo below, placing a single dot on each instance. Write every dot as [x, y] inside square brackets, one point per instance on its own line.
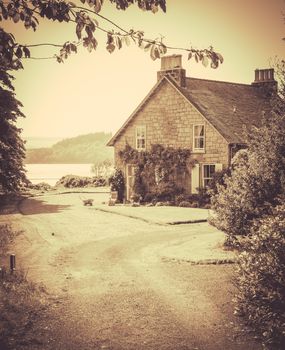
[89, 148]
[41, 142]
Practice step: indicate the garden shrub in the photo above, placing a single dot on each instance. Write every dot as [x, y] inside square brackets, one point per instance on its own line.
[181, 198]
[194, 200]
[150, 198]
[185, 204]
[73, 181]
[139, 186]
[217, 179]
[255, 182]
[261, 278]
[6, 236]
[164, 191]
[202, 197]
[117, 183]
[42, 186]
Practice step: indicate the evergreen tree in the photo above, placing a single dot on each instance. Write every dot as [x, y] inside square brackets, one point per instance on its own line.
[12, 150]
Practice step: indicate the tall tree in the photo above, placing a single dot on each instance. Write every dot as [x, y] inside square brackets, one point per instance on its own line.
[12, 150]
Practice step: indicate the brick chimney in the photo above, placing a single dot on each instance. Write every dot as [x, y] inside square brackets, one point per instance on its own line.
[172, 66]
[264, 78]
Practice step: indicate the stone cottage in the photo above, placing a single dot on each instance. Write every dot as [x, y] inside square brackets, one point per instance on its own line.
[206, 116]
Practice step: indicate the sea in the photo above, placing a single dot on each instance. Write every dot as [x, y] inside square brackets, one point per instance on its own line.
[51, 173]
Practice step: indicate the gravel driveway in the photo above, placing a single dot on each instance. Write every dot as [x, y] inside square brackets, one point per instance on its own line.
[114, 284]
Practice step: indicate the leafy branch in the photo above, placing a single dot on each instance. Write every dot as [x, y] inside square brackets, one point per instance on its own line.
[86, 23]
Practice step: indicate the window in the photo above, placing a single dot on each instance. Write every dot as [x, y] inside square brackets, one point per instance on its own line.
[199, 138]
[141, 137]
[208, 171]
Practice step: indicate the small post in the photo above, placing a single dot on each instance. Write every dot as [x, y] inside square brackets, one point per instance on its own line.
[12, 263]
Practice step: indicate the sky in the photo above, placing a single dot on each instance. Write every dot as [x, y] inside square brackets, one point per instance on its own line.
[98, 91]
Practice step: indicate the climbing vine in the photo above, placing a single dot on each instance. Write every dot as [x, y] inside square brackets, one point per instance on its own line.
[157, 169]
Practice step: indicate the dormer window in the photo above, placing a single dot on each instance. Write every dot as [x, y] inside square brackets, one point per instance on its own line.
[199, 138]
[141, 137]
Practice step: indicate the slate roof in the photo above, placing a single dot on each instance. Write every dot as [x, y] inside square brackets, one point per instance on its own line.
[229, 107]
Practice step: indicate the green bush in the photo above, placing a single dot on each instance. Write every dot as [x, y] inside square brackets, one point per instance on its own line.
[194, 200]
[73, 181]
[117, 183]
[42, 186]
[261, 278]
[139, 187]
[150, 198]
[217, 179]
[6, 236]
[181, 198]
[257, 178]
[248, 194]
[164, 191]
[185, 204]
[21, 302]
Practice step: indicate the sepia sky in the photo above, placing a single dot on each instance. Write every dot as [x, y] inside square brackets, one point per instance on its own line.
[97, 91]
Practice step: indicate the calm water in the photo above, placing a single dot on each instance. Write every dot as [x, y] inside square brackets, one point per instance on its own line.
[51, 173]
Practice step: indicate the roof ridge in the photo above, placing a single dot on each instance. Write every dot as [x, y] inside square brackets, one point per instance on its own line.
[220, 81]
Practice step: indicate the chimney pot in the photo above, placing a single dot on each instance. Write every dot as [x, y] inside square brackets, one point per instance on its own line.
[265, 78]
[171, 66]
[171, 62]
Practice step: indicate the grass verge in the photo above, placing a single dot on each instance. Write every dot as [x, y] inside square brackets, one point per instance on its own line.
[21, 302]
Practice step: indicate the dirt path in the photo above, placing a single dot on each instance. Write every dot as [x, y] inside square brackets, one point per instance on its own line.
[110, 287]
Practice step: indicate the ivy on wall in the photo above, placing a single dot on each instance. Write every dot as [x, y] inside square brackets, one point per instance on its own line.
[157, 169]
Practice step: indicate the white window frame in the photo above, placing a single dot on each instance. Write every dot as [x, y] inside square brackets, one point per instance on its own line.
[196, 137]
[203, 172]
[140, 138]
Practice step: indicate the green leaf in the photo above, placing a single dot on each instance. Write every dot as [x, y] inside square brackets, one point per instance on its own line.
[154, 52]
[215, 64]
[94, 43]
[127, 40]
[205, 61]
[79, 28]
[110, 38]
[110, 47]
[220, 57]
[19, 52]
[26, 52]
[147, 46]
[162, 49]
[88, 31]
[98, 5]
[16, 17]
[118, 42]
[154, 8]
[73, 47]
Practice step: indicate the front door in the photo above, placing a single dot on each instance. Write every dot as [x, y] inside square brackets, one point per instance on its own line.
[130, 172]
